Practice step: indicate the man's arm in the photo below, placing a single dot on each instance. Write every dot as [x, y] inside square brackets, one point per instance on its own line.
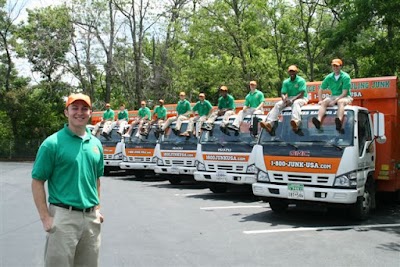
[39, 196]
[98, 206]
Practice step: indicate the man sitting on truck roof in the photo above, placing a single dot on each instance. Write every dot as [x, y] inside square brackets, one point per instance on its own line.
[122, 121]
[203, 108]
[294, 94]
[253, 104]
[226, 108]
[144, 115]
[339, 82]
[183, 109]
[106, 121]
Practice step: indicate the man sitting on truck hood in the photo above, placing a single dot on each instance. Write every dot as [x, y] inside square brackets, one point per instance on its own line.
[203, 108]
[183, 109]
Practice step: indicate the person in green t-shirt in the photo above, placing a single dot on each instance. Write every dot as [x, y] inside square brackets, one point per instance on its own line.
[339, 83]
[71, 161]
[106, 121]
[293, 94]
[123, 118]
[254, 103]
[144, 116]
[203, 108]
[159, 114]
[226, 108]
[183, 110]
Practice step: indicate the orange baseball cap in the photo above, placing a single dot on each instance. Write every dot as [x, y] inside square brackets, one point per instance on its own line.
[337, 62]
[253, 83]
[74, 97]
[202, 94]
[293, 68]
[223, 88]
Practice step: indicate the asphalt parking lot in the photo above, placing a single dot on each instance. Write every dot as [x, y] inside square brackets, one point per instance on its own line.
[149, 222]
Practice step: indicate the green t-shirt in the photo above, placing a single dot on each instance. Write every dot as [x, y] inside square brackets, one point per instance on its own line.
[253, 100]
[123, 115]
[71, 166]
[182, 107]
[108, 114]
[202, 107]
[161, 112]
[337, 86]
[227, 102]
[144, 112]
[293, 88]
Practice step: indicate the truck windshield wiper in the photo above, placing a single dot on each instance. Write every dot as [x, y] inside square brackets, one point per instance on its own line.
[328, 144]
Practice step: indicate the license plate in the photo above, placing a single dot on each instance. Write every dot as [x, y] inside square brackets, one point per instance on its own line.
[296, 191]
[221, 175]
[174, 170]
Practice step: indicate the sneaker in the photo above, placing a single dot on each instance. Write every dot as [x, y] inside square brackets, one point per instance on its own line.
[338, 123]
[294, 125]
[316, 123]
[266, 125]
[104, 134]
[185, 134]
[299, 132]
[233, 127]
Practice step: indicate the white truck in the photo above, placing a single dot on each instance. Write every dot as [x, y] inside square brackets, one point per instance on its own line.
[327, 167]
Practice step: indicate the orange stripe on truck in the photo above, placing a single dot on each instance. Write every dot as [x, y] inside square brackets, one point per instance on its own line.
[225, 157]
[109, 150]
[303, 165]
[178, 154]
[139, 152]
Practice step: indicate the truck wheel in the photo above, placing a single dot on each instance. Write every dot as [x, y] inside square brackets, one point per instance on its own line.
[218, 188]
[139, 174]
[278, 206]
[106, 171]
[361, 209]
[174, 180]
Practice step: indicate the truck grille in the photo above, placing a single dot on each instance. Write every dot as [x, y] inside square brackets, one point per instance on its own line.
[108, 156]
[139, 159]
[179, 162]
[229, 168]
[300, 178]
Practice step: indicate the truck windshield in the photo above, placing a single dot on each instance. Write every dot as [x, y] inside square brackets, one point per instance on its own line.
[112, 138]
[225, 135]
[172, 137]
[136, 137]
[326, 135]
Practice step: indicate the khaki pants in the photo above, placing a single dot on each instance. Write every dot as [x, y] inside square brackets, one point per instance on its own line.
[225, 119]
[249, 111]
[296, 110]
[199, 121]
[178, 120]
[74, 239]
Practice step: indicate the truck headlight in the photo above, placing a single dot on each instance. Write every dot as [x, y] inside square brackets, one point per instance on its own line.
[159, 161]
[200, 166]
[262, 176]
[154, 160]
[118, 156]
[346, 180]
[251, 168]
[125, 158]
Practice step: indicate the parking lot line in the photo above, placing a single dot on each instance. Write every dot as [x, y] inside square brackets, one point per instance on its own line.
[232, 207]
[300, 229]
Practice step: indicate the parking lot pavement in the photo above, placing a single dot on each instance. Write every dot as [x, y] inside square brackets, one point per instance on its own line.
[149, 222]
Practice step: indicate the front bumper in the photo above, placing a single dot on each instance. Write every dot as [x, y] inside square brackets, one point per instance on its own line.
[137, 166]
[112, 162]
[327, 195]
[178, 170]
[225, 177]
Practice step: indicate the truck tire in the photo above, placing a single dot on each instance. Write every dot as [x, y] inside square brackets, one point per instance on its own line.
[278, 206]
[139, 174]
[174, 180]
[361, 209]
[218, 188]
[106, 171]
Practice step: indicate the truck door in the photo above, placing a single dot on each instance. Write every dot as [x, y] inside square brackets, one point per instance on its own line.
[365, 148]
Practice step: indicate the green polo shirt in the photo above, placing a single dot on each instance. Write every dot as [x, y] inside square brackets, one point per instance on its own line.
[161, 112]
[123, 115]
[182, 107]
[253, 100]
[295, 87]
[144, 112]
[202, 107]
[108, 114]
[227, 102]
[71, 166]
[337, 87]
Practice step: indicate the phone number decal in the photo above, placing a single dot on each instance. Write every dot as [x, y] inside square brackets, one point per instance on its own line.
[300, 164]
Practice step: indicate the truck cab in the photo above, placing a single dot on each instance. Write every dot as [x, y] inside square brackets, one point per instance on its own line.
[327, 167]
[223, 155]
[139, 153]
[176, 154]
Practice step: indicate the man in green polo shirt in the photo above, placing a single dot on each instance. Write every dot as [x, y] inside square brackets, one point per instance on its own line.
[106, 121]
[123, 118]
[71, 161]
[203, 108]
[183, 110]
[253, 104]
[226, 108]
[293, 94]
[144, 115]
[339, 83]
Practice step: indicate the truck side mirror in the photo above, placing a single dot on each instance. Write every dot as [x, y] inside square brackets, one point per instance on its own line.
[379, 127]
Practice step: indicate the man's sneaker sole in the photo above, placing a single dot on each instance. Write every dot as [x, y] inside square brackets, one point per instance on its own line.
[316, 123]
